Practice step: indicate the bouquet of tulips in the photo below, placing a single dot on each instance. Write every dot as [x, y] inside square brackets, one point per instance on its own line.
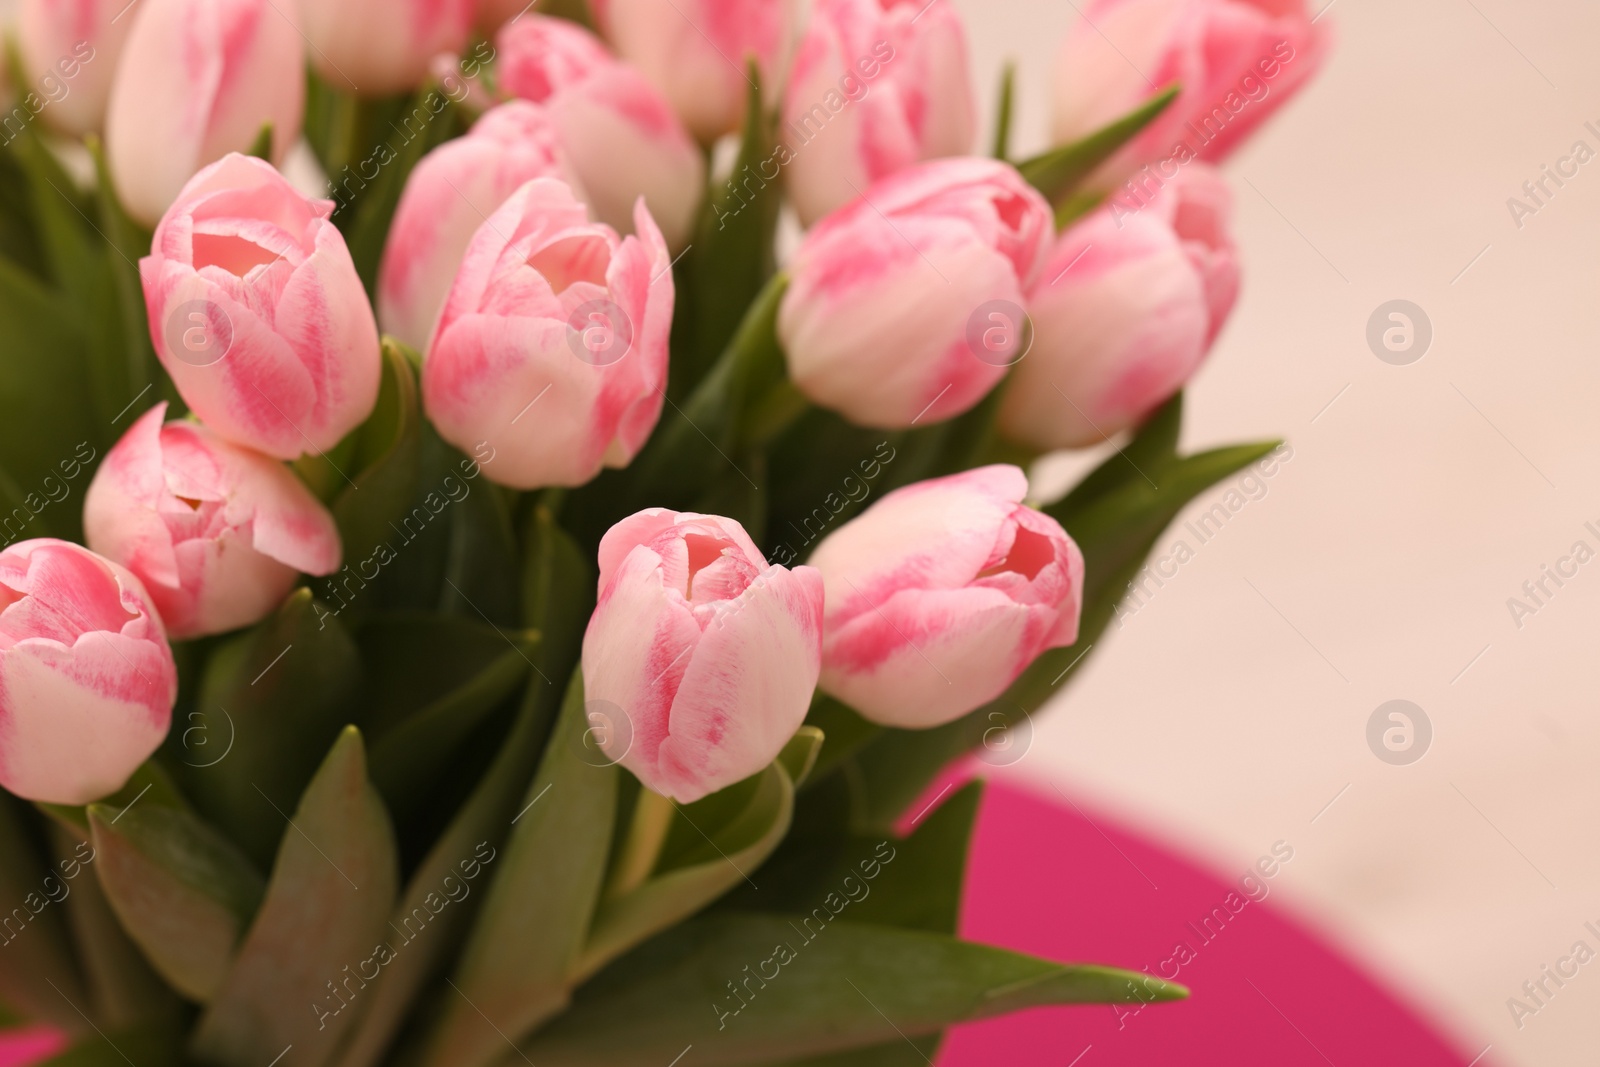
[488, 578]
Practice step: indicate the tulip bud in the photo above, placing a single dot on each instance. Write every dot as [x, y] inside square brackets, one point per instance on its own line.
[197, 80]
[1237, 61]
[87, 681]
[71, 48]
[381, 47]
[877, 86]
[1123, 314]
[551, 352]
[216, 533]
[449, 194]
[622, 137]
[700, 657]
[892, 295]
[696, 52]
[941, 594]
[257, 313]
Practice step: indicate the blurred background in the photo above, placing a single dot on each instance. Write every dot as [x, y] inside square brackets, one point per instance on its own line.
[1231, 710]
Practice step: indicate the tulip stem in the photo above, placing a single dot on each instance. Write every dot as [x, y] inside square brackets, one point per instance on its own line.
[652, 817]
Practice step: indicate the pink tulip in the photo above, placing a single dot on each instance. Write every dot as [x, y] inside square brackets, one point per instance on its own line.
[381, 47]
[700, 659]
[257, 313]
[696, 52]
[551, 352]
[449, 194]
[1123, 313]
[877, 86]
[941, 594]
[87, 681]
[890, 295]
[69, 51]
[216, 533]
[623, 138]
[1237, 61]
[197, 80]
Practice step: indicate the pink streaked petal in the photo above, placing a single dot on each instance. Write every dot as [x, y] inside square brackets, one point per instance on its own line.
[748, 685]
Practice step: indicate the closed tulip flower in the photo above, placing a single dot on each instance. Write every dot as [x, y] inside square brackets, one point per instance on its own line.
[941, 594]
[702, 655]
[216, 533]
[1237, 61]
[257, 313]
[197, 80]
[1124, 313]
[449, 194]
[69, 51]
[696, 51]
[890, 294]
[551, 353]
[381, 47]
[87, 681]
[622, 137]
[877, 85]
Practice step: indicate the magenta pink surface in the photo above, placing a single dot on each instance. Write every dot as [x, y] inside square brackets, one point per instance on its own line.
[1068, 883]
[29, 1045]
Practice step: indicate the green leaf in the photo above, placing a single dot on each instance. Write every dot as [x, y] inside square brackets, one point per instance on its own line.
[914, 882]
[719, 858]
[901, 1052]
[732, 254]
[805, 990]
[385, 462]
[145, 1045]
[1154, 445]
[142, 379]
[47, 424]
[482, 822]
[481, 564]
[261, 147]
[60, 211]
[122, 989]
[19, 236]
[393, 150]
[1002, 121]
[182, 891]
[283, 689]
[327, 905]
[799, 755]
[1058, 171]
[414, 661]
[408, 757]
[38, 975]
[523, 951]
[698, 446]
[558, 594]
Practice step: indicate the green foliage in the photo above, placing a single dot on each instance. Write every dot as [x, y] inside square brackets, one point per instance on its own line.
[327, 905]
[1058, 172]
[819, 986]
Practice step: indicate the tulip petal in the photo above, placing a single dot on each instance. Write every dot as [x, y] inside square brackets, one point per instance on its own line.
[748, 684]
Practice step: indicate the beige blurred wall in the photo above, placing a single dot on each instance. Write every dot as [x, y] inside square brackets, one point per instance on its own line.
[1233, 706]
